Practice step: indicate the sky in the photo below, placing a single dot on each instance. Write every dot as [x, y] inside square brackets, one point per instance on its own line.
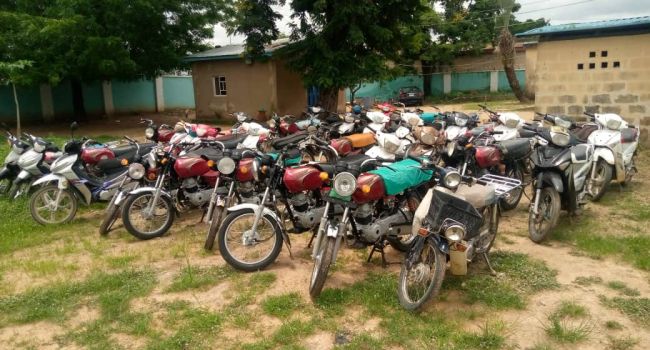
[558, 11]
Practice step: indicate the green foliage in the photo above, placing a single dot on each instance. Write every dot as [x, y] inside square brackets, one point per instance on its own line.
[611, 324]
[199, 278]
[568, 323]
[282, 306]
[636, 308]
[623, 343]
[195, 328]
[623, 288]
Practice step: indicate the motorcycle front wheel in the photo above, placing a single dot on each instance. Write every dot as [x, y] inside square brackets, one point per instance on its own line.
[420, 282]
[110, 216]
[217, 214]
[246, 250]
[602, 180]
[46, 211]
[322, 263]
[540, 225]
[144, 225]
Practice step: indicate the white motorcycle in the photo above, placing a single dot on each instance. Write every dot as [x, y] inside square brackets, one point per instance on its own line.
[615, 145]
[33, 163]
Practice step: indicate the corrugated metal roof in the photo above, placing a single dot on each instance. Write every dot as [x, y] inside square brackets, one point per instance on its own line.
[229, 52]
[614, 24]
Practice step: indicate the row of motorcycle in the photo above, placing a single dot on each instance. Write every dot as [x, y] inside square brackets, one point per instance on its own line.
[430, 185]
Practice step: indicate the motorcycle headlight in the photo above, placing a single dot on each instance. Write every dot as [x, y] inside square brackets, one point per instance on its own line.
[391, 143]
[136, 171]
[613, 124]
[455, 233]
[272, 123]
[226, 165]
[149, 133]
[460, 121]
[451, 147]
[512, 123]
[349, 118]
[560, 138]
[241, 117]
[39, 147]
[345, 184]
[428, 138]
[452, 179]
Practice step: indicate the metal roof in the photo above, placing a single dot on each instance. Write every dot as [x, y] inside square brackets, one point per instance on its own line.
[621, 24]
[230, 52]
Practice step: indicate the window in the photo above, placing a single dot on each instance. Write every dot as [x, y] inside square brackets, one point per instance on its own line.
[581, 66]
[603, 54]
[592, 54]
[592, 65]
[603, 64]
[616, 64]
[220, 86]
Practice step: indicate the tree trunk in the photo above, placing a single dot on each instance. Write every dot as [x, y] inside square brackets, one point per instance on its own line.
[17, 110]
[353, 92]
[328, 99]
[427, 70]
[507, 48]
[78, 99]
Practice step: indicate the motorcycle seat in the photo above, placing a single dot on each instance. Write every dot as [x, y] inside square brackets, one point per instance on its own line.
[478, 196]
[515, 149]
[526, 133]
[282, 142]
[361, 140]
[210, 153]
[123, 150]
[356, 160]
[233, 142]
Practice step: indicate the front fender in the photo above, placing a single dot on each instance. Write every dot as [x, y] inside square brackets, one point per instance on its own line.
[551, 178]
[49, 178]
[605, 153]
[267, 211]
[150, 189]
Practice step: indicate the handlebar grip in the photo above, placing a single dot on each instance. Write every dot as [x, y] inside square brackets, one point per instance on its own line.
[497, 132]
[482, 106]
[481, 182]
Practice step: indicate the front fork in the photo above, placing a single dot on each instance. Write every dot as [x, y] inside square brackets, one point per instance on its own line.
[260, 210]
[340, 233]
[321, 231]
[213, 201]
[538, 194]
[156, 196]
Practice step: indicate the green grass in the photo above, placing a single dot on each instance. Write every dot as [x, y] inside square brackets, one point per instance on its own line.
[623, 288]
[192, 277]
[282, 306]
[623, 343]
[111, 291]
[523, 276]
[587, 281]
[195, 328]
[569, 309]
[637, 309]
[613, 325]
[569, 323]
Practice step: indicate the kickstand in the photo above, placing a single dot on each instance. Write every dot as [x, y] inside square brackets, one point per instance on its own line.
[379, 247]
[203, 216]
[311, 240]
[487, 261]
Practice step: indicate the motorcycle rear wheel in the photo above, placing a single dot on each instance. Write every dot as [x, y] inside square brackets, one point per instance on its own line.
[322, 263]
[41, 202]
[235, 252]
[413, 291]
[539, 226]
[136, 204]
[512, 201]
[217, 215]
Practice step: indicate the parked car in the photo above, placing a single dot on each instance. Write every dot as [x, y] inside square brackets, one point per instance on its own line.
[411, 95]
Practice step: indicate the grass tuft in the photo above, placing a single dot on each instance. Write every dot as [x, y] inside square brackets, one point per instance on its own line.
[587, 281]
[637, 309]
[623, 343]
[282, 306]
[623, 288]
[568, 323]
[613, 325]
[192, 277]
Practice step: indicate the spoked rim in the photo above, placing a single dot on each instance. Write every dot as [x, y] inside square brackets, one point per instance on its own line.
[416, 283]
[599, 182]
[144, 223]
[514, 196]
[48, 211]
[246, 247]
[545, 215]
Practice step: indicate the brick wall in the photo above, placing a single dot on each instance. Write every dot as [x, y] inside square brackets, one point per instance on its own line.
[603, 74]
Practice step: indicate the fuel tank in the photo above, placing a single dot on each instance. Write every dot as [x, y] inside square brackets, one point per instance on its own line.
[487, 156]
[210, 178]
[302, 178]
[190, 166]
[92, 155]
[370, 187]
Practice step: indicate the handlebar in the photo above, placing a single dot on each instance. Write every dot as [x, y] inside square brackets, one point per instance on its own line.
[497, 132]
[130, 139]
[485, 108]
[591, 116]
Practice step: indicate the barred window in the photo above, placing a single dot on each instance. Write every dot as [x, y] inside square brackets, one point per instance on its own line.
[220, 86]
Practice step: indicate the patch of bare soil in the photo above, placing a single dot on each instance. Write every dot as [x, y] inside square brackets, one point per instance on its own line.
[40, 335]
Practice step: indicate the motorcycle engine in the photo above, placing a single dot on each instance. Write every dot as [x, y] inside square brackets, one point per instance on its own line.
[197, 196]
[247, 192]
[363, 214]
[299, 202]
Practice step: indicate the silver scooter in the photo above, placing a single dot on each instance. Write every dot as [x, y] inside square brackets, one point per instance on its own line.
[33, 163]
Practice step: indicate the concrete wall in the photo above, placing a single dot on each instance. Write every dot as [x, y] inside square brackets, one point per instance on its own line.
[178, 92]
[250, 87]
[563, 88]
[292, 95]
[531, 64]
[485, 62]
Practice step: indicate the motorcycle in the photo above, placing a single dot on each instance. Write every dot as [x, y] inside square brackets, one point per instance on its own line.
[561, 172]
[56, 199]
[508, 123]
[152, 132]
[378, 207]
[33, 163]
[10, 168]
[456, 221]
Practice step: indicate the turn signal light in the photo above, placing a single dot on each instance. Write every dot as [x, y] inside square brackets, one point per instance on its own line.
[324, 176]
[243, 169]
[124, 162]
[151, 176]
[469, 145]
[264, 169]
[365, 189]
[423, 231]
[164, 161]
[210, 163]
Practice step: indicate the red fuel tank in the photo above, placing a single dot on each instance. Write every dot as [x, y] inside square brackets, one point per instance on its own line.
[487, 156]
[370, 187]
[190, 166]
[302, 178]
[92, 155]
[210, 178]
[342, 146]
[164, 135]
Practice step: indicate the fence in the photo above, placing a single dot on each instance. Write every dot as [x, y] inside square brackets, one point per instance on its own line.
[441, 84]
[50, 102]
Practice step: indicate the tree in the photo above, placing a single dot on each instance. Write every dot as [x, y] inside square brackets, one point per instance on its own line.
[13, 73]
[89, 40]
[336, 43]
[507, 49]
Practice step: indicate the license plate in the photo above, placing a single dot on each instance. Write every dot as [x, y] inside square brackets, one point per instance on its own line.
[411, 95]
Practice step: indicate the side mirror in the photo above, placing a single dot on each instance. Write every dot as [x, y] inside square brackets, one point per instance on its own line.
[74, 126]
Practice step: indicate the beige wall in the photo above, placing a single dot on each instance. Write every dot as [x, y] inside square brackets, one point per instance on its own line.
[531, 63]
[250, 87]
[485, 62]
[292, 95]
[562, 88]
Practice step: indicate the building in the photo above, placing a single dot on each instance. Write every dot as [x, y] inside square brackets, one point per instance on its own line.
[225, 82]
[599, 66]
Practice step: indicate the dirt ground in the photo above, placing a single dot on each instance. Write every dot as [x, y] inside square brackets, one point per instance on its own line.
[183, 245]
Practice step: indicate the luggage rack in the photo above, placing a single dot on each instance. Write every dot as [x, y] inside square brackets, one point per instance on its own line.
[501, 184]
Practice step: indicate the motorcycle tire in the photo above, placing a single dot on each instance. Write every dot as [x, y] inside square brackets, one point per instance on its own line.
[492, 215]
[322, 263]
[403, 243]
[515, 196]
[438, 266]
[51, 191]
[227, 252]
[602, 167]
[5, 186]
[217, 214]
[18, 190]
[110, 216]
[536, 234]
[128, 220]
